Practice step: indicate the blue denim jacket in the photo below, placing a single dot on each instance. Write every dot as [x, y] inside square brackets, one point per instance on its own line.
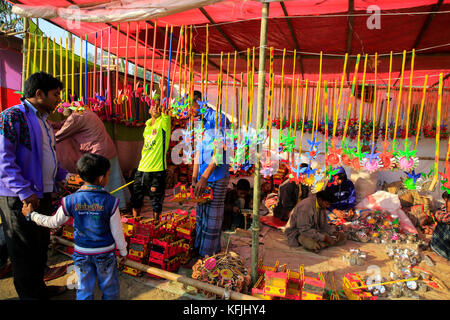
[21, 154]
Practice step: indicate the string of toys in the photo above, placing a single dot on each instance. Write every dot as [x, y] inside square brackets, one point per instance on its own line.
[404, 114]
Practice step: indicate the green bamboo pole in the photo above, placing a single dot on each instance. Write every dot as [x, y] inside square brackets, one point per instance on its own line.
[259, 123]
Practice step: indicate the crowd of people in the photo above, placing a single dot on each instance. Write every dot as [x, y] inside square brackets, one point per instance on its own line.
[30, 175]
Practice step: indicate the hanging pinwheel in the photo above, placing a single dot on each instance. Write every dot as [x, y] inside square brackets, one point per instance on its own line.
[406, 159]
[187, 135]
[371, 161]
[333, 157]
[356, 162]
[346, 155]
[203, 105]
[331, 176]
[410, 183]
[320, 181]
[268, 161]
[386, 158]
[287, 143]
[309, 180]
[296, 173]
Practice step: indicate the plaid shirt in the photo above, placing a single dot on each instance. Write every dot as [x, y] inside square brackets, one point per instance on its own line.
[440, 241]
[442, 216]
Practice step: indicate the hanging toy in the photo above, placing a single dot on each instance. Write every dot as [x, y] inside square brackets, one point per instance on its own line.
[333, 158]
[371, 161]
[287, 143]
[410, 183]
[320, 181]
[346, 156]
[406, 159]
[387, 160]
[356, 162]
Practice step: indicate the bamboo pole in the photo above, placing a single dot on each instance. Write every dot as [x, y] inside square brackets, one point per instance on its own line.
[259, 123]
[26, 52]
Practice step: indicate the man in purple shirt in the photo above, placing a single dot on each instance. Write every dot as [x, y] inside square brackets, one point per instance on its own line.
[29, 171]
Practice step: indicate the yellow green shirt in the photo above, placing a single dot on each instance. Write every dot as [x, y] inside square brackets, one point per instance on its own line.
[156, 144]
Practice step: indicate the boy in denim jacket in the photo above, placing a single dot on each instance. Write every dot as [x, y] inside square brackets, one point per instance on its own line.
[98, 229]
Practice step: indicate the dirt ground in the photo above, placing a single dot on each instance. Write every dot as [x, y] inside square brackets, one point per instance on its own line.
[273, 247]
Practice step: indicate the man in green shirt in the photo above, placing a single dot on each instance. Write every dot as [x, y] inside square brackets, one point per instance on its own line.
[150, 177]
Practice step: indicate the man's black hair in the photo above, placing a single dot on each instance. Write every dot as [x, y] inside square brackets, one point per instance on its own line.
[243, 185]
[43, 81]
[446, 195]
[324, 196]
[90, 166]
[197, 95]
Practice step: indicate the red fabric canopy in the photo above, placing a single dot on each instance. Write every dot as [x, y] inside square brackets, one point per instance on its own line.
[317, 25]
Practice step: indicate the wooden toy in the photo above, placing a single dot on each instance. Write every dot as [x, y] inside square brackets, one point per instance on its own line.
[183, 194]
[312, 288]
[353, 280]
[138, 248]
[74, 182]
[68, 232]
[275, 284]
[258, 289]
[294, 286]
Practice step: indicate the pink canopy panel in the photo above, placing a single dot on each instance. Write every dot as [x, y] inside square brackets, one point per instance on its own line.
[309, 27]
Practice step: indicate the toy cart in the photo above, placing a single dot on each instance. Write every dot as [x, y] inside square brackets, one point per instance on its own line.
[275, 284]
[312, 288]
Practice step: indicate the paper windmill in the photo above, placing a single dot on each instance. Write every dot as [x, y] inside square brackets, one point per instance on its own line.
[296, 173]
[334, 156]
[287, 142]
[356, 162]
[203, 105]
[410, 183]
[406, 159]
[330, 176]
[268, 160]
[346, 156]
[313, 143]
[371, 161]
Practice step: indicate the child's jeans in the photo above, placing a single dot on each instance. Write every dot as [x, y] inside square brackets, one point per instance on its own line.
[101, 267]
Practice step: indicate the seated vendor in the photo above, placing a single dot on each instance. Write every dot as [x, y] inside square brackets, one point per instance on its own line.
[308, 224]
[342, 193]
[237, 199]
[289, 193]
[440, 241]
